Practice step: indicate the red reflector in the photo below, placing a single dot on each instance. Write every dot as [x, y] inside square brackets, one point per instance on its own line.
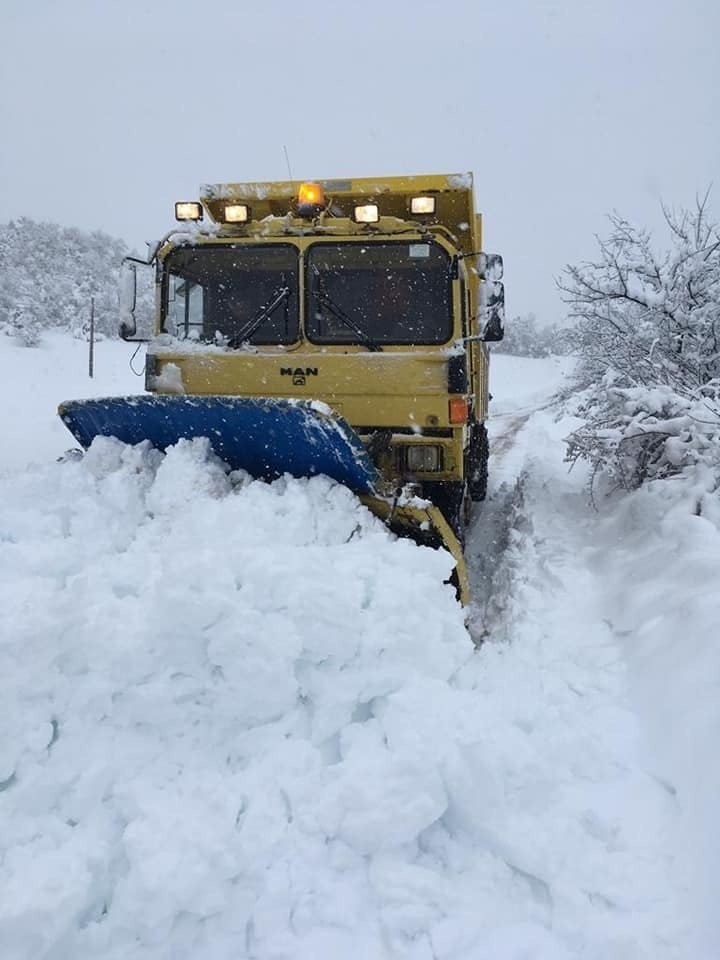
[458, 410]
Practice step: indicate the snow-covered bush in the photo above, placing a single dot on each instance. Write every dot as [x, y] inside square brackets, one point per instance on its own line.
[647, 336]
[48, 276]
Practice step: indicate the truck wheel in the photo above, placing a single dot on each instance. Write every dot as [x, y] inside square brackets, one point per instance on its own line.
[477, 463]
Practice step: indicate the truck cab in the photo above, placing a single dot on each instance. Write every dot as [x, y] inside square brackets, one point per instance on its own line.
[370, 295]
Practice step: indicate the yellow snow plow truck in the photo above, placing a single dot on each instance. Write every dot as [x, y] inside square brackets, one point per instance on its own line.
[333, 327]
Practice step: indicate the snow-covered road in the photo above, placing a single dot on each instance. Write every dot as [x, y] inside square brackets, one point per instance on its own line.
[239, 720]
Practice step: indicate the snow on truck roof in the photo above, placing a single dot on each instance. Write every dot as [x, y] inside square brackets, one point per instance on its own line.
[353, 186]
[453, 192]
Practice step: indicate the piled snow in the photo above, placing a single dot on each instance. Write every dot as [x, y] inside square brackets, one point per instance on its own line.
[668, 620]
[241, 720]
[640, 577]
[195, 671]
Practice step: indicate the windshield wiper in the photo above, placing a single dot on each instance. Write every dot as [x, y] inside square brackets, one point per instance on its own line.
[259, 317]
[325, 300]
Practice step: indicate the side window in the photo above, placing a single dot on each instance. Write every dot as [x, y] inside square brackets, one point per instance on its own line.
[185, 308]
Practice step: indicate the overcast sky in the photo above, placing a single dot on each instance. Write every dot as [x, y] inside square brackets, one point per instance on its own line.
[564, 110]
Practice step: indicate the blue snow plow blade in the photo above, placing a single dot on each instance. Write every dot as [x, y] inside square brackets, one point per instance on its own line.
[266, 437]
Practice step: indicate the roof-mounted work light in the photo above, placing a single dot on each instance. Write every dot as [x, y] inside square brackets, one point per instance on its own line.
[366, 213]
[236, 213]
[188, 210]
[422, 206]
[310, 200]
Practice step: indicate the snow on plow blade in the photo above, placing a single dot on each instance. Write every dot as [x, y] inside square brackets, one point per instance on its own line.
[267, 437]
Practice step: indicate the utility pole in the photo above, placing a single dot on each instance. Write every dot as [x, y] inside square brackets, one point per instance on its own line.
[91, 350]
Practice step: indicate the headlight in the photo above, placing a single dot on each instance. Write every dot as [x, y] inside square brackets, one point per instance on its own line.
[366, 213]
[423, 458]
[422, 205]
[236, 213]
[188, 210]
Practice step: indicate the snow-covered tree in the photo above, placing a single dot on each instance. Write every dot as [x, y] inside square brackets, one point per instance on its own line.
[48, 275]
[24, 316]
[525, 338]
[647, 335]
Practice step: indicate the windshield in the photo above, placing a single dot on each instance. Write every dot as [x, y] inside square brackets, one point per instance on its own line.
[232, 294]
[375, 293]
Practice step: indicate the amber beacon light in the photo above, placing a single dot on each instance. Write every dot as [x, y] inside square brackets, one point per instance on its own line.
[310, 199]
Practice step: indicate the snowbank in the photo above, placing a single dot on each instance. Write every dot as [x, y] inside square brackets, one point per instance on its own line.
[664, 570]
[195, 671]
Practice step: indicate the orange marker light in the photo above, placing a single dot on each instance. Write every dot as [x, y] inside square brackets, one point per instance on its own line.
[458, 410]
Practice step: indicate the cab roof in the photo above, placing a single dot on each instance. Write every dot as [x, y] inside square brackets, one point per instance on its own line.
[455, 207]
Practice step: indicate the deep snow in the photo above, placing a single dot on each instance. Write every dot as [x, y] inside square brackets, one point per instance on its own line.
[240, 720]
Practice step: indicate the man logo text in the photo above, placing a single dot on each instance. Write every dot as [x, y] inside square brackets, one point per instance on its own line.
[299, 374]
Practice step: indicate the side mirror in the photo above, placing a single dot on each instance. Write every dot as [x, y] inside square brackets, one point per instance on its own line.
[490, 266]
[134, 314]
[128, 300]
[492, 310]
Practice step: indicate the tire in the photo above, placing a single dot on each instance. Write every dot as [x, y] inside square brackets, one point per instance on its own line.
[476, 463]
